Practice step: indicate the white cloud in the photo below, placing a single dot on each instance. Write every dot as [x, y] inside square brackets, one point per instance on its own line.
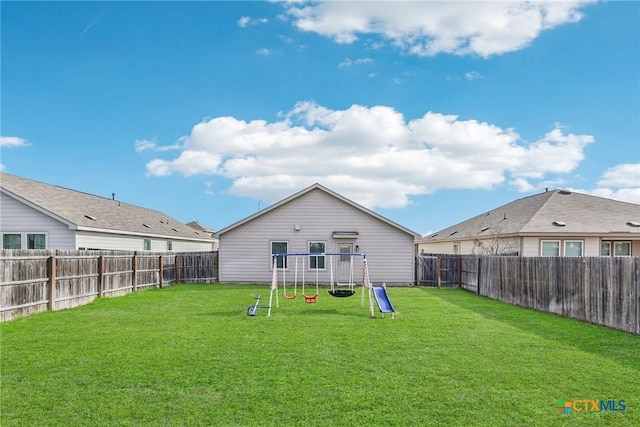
[428, 28]
[621, 182]
[473, 75]
[630, 195]
[245, 21]
[621, 176]
[264, 51]
[370, 154]
[360, 61]
[145, 144]
[12, 142]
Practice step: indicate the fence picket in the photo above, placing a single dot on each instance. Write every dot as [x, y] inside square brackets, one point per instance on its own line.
[600, 290]
[37, 280]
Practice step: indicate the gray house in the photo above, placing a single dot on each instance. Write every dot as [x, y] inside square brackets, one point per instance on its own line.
[553, 223]
[35, 215]
[317, 220]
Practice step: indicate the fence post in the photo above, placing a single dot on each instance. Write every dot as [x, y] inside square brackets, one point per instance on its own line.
[439, 270]
[479, 274]
[459, 271]
[161, 271]
[100, 276]
[52, 282]
[216, 266]
[177, 267]
[134, 265]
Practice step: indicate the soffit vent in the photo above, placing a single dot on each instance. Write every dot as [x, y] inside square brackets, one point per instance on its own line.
[345, 234]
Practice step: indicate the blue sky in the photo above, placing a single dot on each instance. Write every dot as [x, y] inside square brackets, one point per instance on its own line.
[426, 112]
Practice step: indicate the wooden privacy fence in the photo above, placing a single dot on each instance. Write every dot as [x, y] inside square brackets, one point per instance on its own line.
[39, 280]
[446, 271]
[600, 290]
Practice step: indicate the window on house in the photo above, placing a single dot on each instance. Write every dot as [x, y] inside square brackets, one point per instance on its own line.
[147, 244]
[36, 241]
[316, 262]
[169, 245]
[622, 249]
[11, 241]
[605, 249]
[279, 248]
[456, 248]
[550, 248]
[573, 248]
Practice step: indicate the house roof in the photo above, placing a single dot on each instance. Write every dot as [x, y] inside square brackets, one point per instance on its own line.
[83, 211]
[196, 225]
[549, 213]
[319, 187]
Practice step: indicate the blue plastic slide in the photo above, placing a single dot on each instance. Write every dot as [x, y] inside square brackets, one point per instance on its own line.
[380, 292]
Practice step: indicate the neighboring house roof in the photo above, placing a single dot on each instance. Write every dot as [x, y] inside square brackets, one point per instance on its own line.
[307, 190]
[83, 211]
[552, 212]
[200, 227]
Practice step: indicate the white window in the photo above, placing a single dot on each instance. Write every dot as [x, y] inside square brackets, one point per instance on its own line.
[11, 241]
[169, 245]
[147, 244]
[550, 248]
[24, 240]
[456, 248]
[36, 241]
[573, 247]
[619, 249]
[279, 248]
[316, 262]
[622, 249]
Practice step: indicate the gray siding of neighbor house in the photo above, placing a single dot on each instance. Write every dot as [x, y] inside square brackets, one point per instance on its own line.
[245, 251]
[20, 218]
[96, 240]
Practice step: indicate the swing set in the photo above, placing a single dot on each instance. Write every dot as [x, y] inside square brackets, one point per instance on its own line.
[336, 289]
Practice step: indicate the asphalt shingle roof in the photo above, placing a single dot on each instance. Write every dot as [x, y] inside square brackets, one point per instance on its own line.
[580, 214]
[90, 211]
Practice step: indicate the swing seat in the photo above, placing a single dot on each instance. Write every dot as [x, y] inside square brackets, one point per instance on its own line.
[289, 297]
[342, 293]
[310, 299]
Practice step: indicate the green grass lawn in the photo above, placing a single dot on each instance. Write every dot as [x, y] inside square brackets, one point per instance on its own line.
[188, 355]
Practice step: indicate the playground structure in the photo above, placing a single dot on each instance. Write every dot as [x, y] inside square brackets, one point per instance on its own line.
[336, 288]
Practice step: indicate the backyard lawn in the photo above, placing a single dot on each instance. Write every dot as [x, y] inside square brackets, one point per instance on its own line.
[188, 355]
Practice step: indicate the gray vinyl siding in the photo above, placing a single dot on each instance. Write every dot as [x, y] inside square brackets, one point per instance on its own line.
[96, 240]
[20, 218]
[245, 250]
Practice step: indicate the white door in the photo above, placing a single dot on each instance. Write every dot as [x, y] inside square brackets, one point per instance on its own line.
[345, 263]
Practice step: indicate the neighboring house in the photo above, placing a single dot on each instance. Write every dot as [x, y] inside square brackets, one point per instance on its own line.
[34, 215]
[553, 223]
[317, 220]
[203, 228]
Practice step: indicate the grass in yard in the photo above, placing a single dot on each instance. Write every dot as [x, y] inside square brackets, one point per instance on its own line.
[188, 355]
